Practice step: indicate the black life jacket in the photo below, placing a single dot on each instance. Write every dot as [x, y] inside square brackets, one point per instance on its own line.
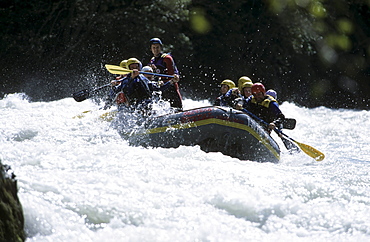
[262, 109]
[161, 65]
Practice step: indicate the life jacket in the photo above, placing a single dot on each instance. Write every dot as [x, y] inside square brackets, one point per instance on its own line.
[262, 109]
[121, 98]
[161, 65]
[265, 102]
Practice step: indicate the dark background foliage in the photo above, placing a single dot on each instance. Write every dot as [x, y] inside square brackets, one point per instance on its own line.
[313, 52]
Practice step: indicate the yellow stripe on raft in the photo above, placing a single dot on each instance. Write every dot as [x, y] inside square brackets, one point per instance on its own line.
[220, 122]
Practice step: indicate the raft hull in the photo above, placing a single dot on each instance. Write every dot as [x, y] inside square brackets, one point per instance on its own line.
[214, 129]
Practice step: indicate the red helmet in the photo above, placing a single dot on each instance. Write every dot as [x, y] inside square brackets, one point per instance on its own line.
[258, 87]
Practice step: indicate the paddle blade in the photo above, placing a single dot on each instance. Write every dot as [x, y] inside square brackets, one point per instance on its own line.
[108, 116]
[289, 123]
[82, 114]
[81, 95]
[314, 153]
[117, 69]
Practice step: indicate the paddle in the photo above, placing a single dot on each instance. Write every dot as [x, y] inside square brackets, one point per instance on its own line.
[82, 114]
[119, 70]
[108, 116]
[289, 123]
[314, 153]
[289, 145]
[84, 94]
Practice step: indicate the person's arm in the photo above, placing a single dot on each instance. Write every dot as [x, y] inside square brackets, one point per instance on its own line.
[170, 68]
[238, 103]
[170, 65]
[121, 85]
[246, 103]
[165, 85]
[278, 115]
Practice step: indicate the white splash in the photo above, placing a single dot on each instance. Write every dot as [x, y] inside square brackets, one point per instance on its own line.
[79, 181]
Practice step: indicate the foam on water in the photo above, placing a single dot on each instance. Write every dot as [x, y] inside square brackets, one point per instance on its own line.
[79, 181]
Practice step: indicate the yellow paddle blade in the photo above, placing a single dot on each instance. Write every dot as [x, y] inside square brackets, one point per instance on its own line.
[314, 153]
[108, 116]
[82, 114]
[117, 69]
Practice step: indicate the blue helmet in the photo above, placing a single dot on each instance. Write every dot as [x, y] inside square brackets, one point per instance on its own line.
[272, 93]
[155, 41]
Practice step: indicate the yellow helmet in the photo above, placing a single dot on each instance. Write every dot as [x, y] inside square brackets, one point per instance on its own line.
[242, 80]
[123, 64]
[246, 84]
[229, 83]
[133, 61]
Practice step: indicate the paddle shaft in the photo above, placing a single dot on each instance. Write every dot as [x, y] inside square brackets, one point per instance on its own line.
[101, 87]
[262, 121]
[288, 145]
[155, 74]
[84, 94]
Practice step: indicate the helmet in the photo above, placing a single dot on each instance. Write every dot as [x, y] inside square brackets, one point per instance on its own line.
[258, 87]
[133, 61]
[245, 84]
[155, 41]
[272, 93]
[123, 64]
[229, 83]
[244, 79]
[147, 69]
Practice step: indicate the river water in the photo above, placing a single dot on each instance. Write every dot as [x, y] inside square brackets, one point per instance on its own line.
[79, 181]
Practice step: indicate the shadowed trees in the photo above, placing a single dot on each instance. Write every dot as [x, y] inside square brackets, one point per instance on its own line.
[312, 52]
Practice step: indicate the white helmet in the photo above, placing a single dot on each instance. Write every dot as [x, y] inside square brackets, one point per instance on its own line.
[147, 69]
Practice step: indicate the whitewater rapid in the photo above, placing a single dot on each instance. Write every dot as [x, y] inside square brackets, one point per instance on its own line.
[79, 181]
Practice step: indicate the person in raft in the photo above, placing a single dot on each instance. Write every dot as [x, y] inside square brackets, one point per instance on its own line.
[272, 93]
[120, 97]
[148, 76]
[137, 89]
[164, 64]
[264, 106]
[245, 85]
[245, 88]
[235, 97]
[225, 86]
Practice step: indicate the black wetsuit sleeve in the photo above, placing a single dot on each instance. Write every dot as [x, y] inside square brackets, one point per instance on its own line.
[278, 115]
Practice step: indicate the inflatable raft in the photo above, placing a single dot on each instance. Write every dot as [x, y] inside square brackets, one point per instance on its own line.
[214, 129]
